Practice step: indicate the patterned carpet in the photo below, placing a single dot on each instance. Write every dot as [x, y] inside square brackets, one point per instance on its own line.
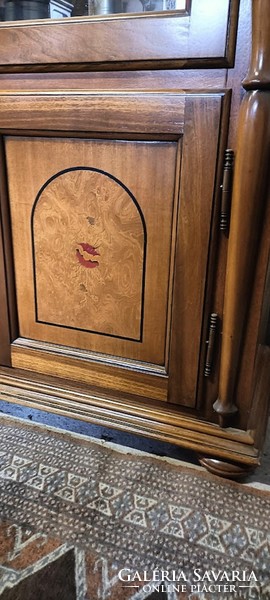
[81, 520]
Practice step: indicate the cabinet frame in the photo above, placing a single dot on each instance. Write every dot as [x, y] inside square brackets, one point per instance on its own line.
[230, 451]
[180, 39]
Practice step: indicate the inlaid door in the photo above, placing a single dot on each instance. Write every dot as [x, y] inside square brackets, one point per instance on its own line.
[110, 199]
[92, 250]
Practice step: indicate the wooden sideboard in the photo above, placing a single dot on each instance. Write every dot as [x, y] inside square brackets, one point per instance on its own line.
[135, 289]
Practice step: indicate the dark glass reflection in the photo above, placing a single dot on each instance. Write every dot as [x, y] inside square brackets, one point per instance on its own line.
[17, 10]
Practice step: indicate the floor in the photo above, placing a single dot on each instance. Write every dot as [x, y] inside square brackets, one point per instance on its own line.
[261, 475]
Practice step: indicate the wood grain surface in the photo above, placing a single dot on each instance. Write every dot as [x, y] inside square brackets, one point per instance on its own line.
[207, 35]
[93, 209]
[248, 210]
[89, 372]
[258, 76]
[115, 112]
[128, 414]
[117, 80]
[200, 147]
[148, 54]
[89, 252]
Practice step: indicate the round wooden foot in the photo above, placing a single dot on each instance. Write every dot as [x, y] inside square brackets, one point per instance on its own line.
[225, 469]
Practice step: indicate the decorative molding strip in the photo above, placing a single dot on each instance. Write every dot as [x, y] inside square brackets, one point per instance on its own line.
[161, 423]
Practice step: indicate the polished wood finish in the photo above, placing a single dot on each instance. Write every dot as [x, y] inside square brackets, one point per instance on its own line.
[194, 226]
[9, 320]
[204, 36]
[93, 309]
[134, 90]
[84, 112]
[261, 389]
[258, 76]
[69, 364]
[225, 469]
[120, 411]
[61, 318]
[208, 388]
[117, 80]
[248, 206]
[255, 326]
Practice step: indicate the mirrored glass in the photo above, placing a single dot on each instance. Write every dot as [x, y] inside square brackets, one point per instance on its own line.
[17, 10]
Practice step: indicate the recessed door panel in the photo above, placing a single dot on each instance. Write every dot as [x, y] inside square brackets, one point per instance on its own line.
[92, 242]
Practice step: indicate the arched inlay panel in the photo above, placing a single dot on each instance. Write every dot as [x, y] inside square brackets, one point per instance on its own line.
[92, 232]
[89, 252]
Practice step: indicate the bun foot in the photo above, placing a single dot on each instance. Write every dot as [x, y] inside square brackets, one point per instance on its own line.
[226, 469]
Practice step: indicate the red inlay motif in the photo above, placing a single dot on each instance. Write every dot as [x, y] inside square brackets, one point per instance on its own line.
[88, 263]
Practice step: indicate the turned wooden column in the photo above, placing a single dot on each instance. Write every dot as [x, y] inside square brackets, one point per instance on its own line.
[252, 167]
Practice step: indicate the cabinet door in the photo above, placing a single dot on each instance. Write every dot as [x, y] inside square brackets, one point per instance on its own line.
[109, 237]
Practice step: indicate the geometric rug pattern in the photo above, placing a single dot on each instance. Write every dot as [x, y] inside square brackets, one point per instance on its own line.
[80, 520]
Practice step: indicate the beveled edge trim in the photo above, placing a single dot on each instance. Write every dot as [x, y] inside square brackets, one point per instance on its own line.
[91, 357]
[179, 93]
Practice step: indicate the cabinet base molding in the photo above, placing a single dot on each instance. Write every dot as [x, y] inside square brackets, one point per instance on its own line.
[225, 469]
[156, 421]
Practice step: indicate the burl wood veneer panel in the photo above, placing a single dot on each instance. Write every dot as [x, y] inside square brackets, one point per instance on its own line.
[89, 250]
[92, 229]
